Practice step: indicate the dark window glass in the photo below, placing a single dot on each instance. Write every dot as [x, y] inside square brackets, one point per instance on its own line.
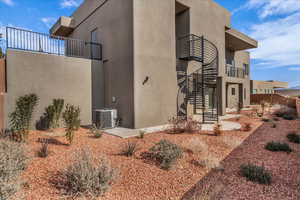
[233, 91]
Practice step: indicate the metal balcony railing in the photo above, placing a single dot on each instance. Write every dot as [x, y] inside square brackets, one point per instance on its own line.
[235, 72]
[39, 42]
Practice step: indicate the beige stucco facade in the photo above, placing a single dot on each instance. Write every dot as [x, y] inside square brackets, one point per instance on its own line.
[266, 87]
[139, 53]
[49, 77]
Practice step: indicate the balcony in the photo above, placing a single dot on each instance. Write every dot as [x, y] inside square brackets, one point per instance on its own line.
[237, 41]
[235, 72]
[38, 42]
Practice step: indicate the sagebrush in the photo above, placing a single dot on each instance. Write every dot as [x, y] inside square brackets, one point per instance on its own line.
[20, 119]
[293, 137]
[71, 118]
[278, 146]
[87, 176]
[13, 161]
[166, 153]
[256, 173]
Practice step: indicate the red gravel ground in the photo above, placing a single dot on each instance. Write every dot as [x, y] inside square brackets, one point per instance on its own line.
[285, 168]
[138, 179]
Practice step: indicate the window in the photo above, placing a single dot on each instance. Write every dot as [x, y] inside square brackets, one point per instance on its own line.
[245, 94]
[232, 91]
[254, 91]
[95, 50]
[246, 69]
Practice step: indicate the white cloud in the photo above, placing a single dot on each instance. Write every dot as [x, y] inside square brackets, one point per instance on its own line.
[279, 43]
[70, 3]
[48, 21]
[7, 2]
[294, 68]
[273, 7]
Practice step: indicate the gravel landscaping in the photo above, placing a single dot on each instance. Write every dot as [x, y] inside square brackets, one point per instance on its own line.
[283, 167]
[138, 178]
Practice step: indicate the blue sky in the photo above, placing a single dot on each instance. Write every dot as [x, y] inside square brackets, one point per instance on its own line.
[274, 23]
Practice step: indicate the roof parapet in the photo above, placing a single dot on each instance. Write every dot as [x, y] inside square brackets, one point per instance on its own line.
[63, 27]
[237, 41]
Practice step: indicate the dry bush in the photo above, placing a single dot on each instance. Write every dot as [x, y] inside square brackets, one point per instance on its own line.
[43, 152]
[129, 149]
[176, 125]
[232, 141]
[217, 129]
[210, 161]
[195, 145]
[247, 127]
[191, 126]
[13, 161]
[181, 125]
[84, 177]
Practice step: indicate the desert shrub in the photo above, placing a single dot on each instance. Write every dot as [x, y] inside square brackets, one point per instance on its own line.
[265, 120]
[96, 132]
[176, 125]
[217, 129]
[210, 161]
[13, 160]
[247, 127]
[289, 116]
[86, 177]
[191, 126]
[21, 117]
[195, 145]
[273, 125]
[53, 113]
[166, 153]
[232, 141]
[285, 110]
[277, 146]
[276, 119]
[299, 96]
[43, 152]
[293, 137]
[256, 174]
[142, 134]
[72, 121]
[129, 149]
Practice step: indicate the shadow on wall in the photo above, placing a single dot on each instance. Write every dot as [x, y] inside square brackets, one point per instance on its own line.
[43, 123]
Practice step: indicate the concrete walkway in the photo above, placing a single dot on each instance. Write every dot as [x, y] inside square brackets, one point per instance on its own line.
[128, 133]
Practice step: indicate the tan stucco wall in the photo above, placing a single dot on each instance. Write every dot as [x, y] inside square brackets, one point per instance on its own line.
[264, 87]
[49, 77]
[2, 91]
[233, 100]
[114, 23]
[155, 57]
[138, 38]
[240, 58]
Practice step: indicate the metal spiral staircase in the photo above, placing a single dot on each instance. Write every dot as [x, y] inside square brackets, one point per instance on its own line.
[199, 87]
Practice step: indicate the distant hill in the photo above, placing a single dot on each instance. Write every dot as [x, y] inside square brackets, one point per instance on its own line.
[295, 88]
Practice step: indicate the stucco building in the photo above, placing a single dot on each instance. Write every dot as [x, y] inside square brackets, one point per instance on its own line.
[159, 58]
[267, 87]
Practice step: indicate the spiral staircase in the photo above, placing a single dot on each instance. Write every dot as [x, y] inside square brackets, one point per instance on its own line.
[199, 86]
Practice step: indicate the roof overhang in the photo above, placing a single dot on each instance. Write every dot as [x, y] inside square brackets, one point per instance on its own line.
[63, 27]
[238, 41]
